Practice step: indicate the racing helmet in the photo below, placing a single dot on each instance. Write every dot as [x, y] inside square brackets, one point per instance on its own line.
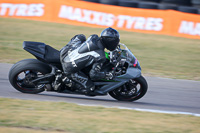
[110, 38]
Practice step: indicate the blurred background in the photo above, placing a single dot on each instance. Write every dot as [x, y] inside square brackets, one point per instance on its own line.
[159, 55]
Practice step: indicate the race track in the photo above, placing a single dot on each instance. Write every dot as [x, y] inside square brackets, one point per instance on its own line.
[163, 94]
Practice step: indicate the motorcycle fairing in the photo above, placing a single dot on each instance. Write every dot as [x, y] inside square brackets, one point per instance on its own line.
[35, 48]
[42, 51]
[109, 86]
[118, 81]
[131, 73]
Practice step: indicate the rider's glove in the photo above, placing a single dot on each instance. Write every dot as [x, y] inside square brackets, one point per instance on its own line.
[109, 75]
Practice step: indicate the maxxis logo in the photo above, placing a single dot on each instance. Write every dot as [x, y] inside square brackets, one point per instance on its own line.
[109, 19]
[190, 28]
[21, 9]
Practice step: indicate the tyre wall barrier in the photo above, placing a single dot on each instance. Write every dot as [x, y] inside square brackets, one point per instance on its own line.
[190, 5]
[168, 6]
[128, 3]
[83, 13]
[148, 5]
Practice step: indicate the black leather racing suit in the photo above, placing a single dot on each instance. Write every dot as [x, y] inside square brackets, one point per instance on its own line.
[78, 54]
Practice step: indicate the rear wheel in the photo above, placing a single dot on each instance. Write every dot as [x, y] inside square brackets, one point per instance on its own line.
[23, 72]
[131, 91]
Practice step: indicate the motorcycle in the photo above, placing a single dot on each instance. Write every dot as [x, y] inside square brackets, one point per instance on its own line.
[44, 74]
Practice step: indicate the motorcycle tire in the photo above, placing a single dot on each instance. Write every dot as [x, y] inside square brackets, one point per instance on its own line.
[151, 0]
[96, 1]
[123, 93]
[188, 9]
[195, 2]
[128, 3]
[167, 6]
[148, 5]
[26, 70]
[178, 2]
[109, 2]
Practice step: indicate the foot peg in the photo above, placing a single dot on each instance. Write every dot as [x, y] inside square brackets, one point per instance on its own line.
[67, 82]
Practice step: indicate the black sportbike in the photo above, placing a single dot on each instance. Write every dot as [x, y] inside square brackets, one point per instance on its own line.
[44, 73]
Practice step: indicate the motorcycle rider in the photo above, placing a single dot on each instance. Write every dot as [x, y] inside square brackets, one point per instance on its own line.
[80, 53]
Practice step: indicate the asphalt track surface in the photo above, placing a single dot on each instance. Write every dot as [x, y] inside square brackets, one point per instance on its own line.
[163, 94]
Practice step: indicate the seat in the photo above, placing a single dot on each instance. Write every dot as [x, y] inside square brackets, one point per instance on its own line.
[52, 55]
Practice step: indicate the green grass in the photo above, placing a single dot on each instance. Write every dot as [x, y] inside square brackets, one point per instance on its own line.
[72, 118]
[159, 55]
[25, 130]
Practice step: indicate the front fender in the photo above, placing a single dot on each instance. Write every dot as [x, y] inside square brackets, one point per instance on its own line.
[131, 73]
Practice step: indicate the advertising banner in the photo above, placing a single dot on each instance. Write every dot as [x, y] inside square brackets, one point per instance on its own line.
[168, 22]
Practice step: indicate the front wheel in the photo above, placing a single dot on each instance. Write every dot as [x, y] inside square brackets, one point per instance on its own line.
[23, 72]
[131, 91]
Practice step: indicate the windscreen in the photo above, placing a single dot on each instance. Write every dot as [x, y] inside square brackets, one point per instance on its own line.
[127, 55]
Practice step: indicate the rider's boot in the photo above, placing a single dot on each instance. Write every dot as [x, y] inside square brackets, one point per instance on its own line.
[67, 81]
[57, 83]
[84, 81]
